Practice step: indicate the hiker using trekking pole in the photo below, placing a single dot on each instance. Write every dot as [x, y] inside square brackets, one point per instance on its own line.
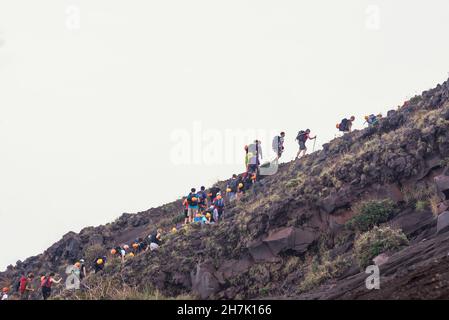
[372, 119]
[345, 125]
[302, 138]
[278, 145]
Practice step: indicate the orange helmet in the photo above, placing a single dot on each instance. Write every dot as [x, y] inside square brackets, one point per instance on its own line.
[113, 251]
[5, 290]
[135, 245]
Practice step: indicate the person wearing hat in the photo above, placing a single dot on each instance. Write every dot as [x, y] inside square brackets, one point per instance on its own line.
[219, 205]
[5, 292]
[99, 264]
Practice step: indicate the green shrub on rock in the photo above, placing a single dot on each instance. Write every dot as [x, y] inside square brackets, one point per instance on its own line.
[376, 241]
[372, 213]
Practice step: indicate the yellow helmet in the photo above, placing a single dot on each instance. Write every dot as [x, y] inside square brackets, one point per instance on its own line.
[100, 261]
[174, 230]
[208, 215]
[240, 185]
[131, 254]
[228, 190]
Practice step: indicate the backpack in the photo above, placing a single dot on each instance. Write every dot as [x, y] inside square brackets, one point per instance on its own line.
[190, 200]
[371, 119]
[233, 185]
[22, 283]
[202, 196]
[276, 143]
[219, 203]
[302, 137]
[46, 282]
[17, 285]
[343, 125]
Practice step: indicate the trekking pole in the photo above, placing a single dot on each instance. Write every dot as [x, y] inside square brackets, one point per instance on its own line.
[314, 142]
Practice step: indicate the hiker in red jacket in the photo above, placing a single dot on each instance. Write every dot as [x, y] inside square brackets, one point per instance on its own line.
[46, 283]
[25, 286]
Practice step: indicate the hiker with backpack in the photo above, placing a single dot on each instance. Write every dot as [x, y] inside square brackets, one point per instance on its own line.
[212, 194]
[254, 156]
[231, 189]
[46, 284]
[202, 199]
[247, 156]
[219, 205]
[185, 205]
[372, 119]
[278, 145]
[83, 269]
[192, 200]
[345, 125]
[302, 138]
[154, 240]
[99, 264]
[25, 286]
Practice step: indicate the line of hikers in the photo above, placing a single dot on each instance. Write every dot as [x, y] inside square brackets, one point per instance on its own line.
[199, 207]
[139, 245]
[24, 287]
[203, 207]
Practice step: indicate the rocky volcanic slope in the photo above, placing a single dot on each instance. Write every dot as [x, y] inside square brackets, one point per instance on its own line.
[292, 235]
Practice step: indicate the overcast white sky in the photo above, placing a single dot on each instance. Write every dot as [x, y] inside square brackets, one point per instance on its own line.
[95, 94]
